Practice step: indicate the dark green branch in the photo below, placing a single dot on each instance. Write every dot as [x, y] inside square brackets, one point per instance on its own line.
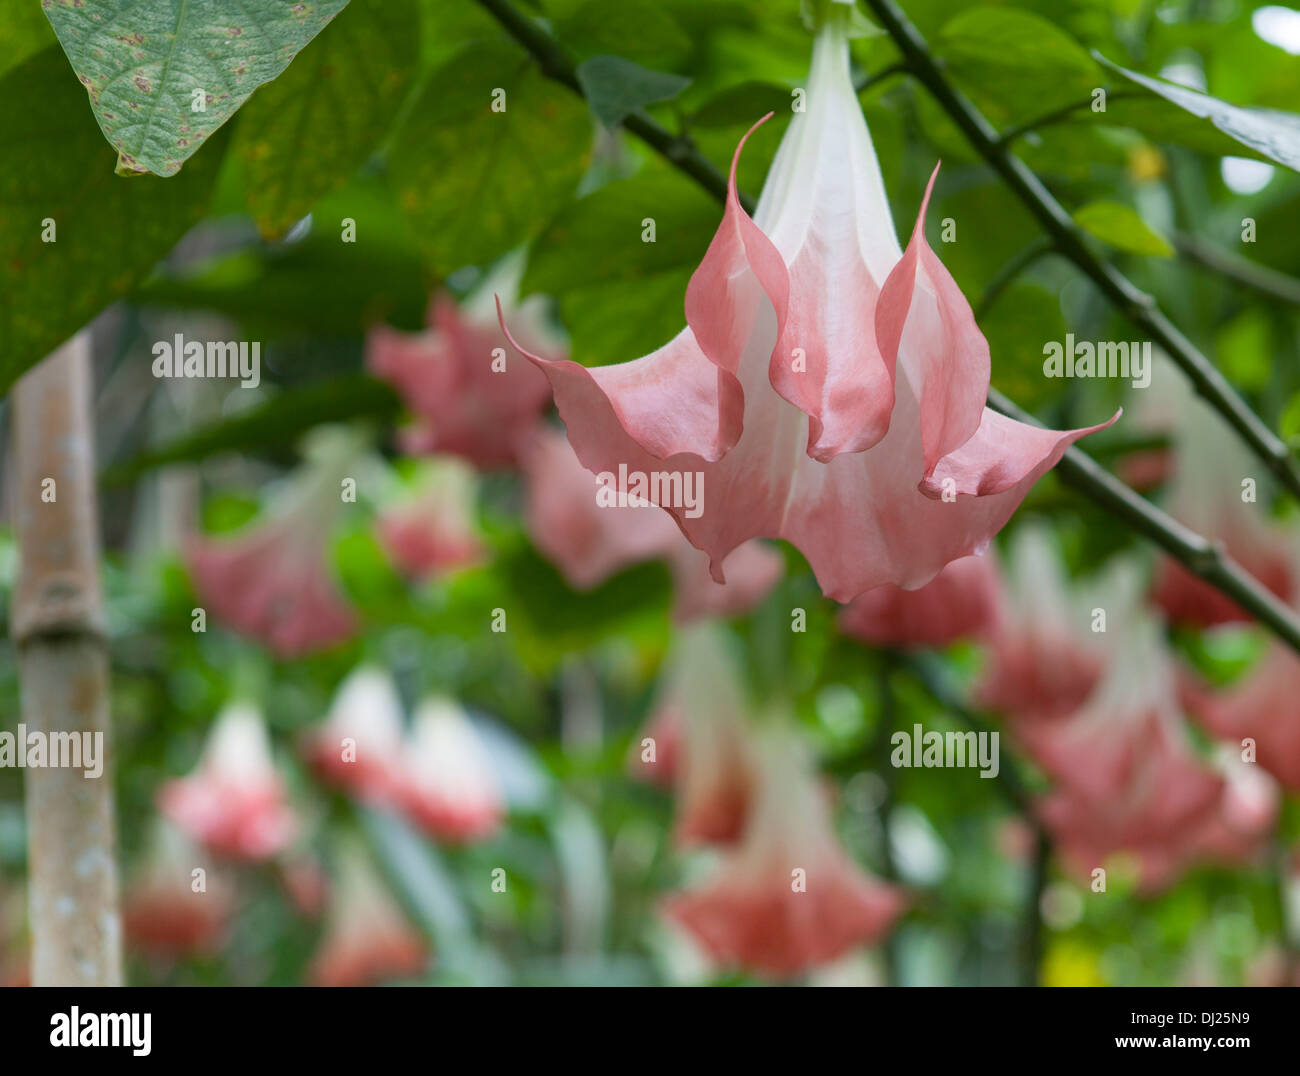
[1260, 278]
[1059, 115]
[1005, 276]
[1139, 307]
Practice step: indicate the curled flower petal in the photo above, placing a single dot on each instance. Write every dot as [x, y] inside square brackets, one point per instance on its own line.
[589, 541]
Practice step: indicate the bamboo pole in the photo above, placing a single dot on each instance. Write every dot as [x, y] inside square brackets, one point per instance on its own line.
[58, 632]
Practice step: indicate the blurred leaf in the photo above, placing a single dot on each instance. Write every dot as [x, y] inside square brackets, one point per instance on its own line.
[317, 284]
[276, 424]
[24, 32]
[1019, 323]
[615, 87]
[1022, 61]
[145, 65]
[638, 29]
[475, 182]
[1122, 228]
[107, 232]
[308, 131]
[741, 105]
[630, 299]
[1266, 132]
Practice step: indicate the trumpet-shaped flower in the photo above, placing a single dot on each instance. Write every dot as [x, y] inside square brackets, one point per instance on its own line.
[469, 396]
[433, 532]
[829, 387]
[1265, 707]
[359, 746]
[163, 914]
[234, 802]
[367, 938]
[1045, 659]
[961, 602]
[1215, 491]
[711, 757]
[272, 581]
[589, 541]
[788, 897]
[450, 785]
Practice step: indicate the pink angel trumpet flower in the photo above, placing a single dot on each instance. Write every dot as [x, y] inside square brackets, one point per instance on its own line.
[1218, 491]
[711, 756]
[367, 939]
[829, 388]
[961, 602]
[359, 747]
[433, 531]
[1126, 777]
[273, 581]
[1263, 706]
[788, 897]
[234, 803]
[167, 911]
[586, 531]
[470, 396]
[1045, 659]
[656, 754]
[450, 787]
[1238, 832]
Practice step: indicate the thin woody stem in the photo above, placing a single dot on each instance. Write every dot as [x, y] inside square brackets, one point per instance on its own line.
[1190, 549]
[58, 631]
[1139, 307]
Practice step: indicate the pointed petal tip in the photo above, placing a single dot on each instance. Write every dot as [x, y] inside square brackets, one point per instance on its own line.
[732, 194]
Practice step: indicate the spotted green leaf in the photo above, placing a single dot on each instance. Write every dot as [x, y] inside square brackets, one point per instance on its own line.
[162, 76]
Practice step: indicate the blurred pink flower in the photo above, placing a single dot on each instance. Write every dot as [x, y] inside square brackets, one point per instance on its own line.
[1215, 490]
[1126, 777]
[449, 785]
[234, 802]
[829, 387]
[713, 760]
[162, 913]
[788, 897]
[433, 531]
[359, 747]
[1045, 660]
[1263, 706]
[468, 397]
[589, 542]
[664, 766]
[961, 602]
[272, 581]
[367, 938]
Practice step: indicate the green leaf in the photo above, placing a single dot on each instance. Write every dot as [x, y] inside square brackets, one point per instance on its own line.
[474, 181]
[106, 233]
[306, 133]
[1024, 62]
[1122, 228]
[615, 87]
[1018, 324]
[24, 32]
[318, 284]
[638, 29]
[629, 299]
[276, 424]
[1267, 132]
[145, 66]
[741, 104]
